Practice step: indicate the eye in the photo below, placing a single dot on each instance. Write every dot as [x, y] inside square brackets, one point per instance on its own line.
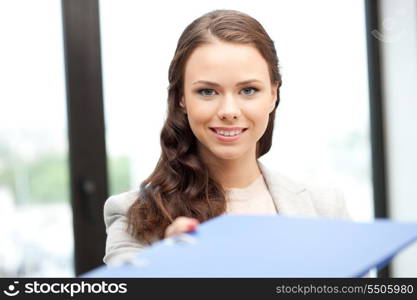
[248, 91]
[202, 92]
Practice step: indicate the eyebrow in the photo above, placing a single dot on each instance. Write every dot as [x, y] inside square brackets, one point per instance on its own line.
[216, 84]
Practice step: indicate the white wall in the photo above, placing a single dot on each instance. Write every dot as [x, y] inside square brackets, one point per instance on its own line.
[398, 40]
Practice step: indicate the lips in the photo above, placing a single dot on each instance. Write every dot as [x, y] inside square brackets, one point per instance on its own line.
[228, 134]
[228, 128]
[228, 131]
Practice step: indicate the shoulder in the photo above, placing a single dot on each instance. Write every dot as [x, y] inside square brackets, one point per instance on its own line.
[120, 245]
[304, 198]
[328, 201]
[118, 205]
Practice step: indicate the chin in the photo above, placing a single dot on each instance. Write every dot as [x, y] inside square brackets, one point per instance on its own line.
[228, 155]
[227, 152]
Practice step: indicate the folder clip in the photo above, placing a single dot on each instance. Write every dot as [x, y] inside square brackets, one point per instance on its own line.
[181, 238]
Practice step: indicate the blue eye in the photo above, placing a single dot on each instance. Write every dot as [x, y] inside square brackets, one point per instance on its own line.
[203, 94]
[250, 88]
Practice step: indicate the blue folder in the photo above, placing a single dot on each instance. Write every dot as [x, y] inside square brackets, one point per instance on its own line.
[270, 246]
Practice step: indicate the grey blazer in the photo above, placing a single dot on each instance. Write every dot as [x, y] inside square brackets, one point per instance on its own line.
[290, 198]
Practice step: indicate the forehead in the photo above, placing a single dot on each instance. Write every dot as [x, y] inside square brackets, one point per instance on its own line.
[226, 61]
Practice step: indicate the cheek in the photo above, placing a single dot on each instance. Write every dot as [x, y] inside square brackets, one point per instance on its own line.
[199, 120]
[258, 114]
[261, 125]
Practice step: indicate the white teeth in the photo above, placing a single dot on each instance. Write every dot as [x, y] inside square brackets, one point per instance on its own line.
[228, 133]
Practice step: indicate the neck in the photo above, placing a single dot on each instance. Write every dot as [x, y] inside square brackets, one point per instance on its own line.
[234, 173]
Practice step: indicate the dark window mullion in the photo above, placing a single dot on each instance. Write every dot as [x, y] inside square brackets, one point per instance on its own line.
[380, 187]
[87, 150]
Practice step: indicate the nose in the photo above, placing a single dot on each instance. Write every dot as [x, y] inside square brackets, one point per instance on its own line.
[229, 108]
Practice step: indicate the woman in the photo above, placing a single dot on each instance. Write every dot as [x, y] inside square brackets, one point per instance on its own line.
[224, 90]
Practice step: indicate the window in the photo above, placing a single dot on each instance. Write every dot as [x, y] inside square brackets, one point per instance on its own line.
[36, 223]
[322, 126]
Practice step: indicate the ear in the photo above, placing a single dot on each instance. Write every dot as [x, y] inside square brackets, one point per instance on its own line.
[182, 104]
[274, 94]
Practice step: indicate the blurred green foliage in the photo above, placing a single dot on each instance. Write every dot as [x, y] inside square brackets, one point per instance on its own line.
[49, 179]
[118, 174]
[46, 179]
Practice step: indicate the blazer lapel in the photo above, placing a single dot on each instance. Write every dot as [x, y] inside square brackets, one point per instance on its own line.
[289, 197]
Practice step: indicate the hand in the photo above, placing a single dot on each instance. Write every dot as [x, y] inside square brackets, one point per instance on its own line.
[181, 225]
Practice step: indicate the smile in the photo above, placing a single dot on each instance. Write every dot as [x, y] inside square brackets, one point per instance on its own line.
[228, 136]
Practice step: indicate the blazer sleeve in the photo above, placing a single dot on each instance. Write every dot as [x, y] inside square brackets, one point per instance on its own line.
[120, 245]
[342, 211]
[329, 202]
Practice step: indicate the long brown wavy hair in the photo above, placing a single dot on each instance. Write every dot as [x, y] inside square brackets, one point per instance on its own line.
[181, 184]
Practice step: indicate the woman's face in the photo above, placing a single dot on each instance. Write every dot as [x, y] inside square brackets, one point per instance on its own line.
[227, 85]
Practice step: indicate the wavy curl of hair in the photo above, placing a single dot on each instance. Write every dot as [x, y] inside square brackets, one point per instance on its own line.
[181, 184]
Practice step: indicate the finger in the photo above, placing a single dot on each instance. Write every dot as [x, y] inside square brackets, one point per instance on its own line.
[180, 225]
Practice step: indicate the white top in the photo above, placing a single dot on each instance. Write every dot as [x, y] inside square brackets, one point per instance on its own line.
[252, 199]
